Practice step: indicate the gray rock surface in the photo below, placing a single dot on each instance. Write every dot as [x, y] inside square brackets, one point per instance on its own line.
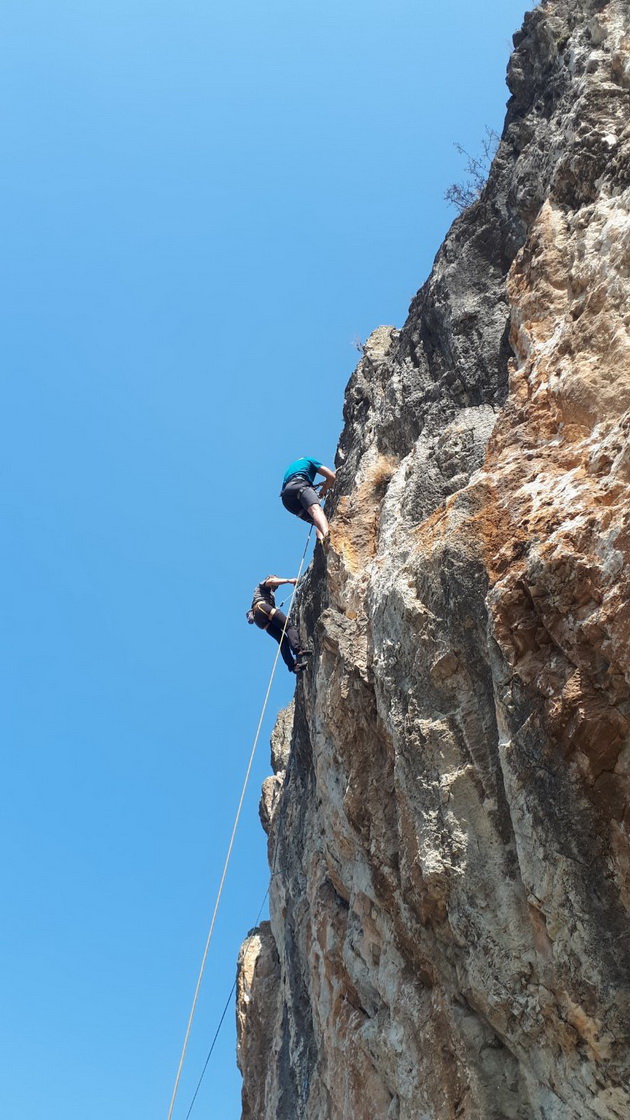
[448, 819]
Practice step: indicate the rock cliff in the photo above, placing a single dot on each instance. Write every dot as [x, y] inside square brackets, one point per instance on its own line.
[448, 818]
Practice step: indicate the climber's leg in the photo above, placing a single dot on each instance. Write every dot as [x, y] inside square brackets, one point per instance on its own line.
[318, 517]
[290, 643]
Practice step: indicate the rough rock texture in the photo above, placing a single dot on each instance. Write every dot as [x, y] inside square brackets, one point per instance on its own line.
[448, 822]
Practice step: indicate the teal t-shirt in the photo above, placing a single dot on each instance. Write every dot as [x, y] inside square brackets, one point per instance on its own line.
[307, 467]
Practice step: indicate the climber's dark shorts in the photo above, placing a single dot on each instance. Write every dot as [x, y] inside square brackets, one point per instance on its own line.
[297, 495]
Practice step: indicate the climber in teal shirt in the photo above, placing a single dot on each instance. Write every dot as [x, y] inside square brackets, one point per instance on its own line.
[305, 466]
[299, 496]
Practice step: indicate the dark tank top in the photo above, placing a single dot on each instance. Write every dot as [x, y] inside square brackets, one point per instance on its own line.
[262, 593]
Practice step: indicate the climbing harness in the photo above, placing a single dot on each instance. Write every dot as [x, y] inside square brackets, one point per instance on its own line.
[269, 616]
[229, 851]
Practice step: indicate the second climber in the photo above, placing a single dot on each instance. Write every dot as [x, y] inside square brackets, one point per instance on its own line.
[267, 616]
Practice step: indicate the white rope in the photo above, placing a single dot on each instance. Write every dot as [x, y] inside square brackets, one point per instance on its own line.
[229, 851]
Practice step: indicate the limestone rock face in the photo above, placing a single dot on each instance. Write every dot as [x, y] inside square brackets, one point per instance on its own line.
[449, 818]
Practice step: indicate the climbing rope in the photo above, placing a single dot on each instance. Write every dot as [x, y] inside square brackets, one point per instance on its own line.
[286, 599]
[229, 998]
[274, 872]
[216, 1035]
[229, 851]
[223, 1014]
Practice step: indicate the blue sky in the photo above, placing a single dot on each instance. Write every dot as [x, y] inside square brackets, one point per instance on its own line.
[202, 207]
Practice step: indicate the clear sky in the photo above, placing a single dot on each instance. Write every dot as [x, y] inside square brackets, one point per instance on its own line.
[203, 205]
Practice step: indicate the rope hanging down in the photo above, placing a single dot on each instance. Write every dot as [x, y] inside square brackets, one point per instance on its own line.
[223, 1014]
[229, 999]
[229, 852]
